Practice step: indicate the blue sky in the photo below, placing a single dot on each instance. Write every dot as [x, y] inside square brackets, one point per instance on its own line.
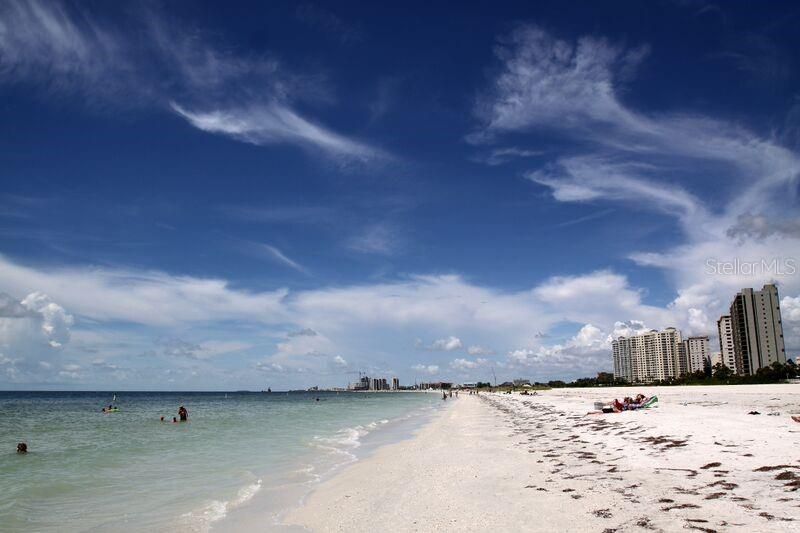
[198, 196]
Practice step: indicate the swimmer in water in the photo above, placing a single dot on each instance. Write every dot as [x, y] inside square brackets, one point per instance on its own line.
[22, 448]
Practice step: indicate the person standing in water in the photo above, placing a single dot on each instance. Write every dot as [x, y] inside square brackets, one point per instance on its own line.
[183, 414]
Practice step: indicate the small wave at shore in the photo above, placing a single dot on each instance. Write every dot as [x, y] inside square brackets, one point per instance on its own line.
[201, 519]
[348, 439]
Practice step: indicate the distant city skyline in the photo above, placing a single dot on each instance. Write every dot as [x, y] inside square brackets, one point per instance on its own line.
[198, 196]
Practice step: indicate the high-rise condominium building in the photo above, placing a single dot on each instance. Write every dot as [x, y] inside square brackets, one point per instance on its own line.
[697, 354]
[757, 330]
[726, 347]
[395, 384]
[651, 356]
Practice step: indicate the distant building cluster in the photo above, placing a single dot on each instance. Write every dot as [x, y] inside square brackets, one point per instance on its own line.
[436, 385]
[750, 338]
[659, 355]
[365, 383]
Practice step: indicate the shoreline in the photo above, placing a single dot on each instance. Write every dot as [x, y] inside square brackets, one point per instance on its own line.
[268, 509]
[541, 463]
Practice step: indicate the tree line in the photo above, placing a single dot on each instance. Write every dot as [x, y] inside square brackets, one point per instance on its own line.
[718, 375]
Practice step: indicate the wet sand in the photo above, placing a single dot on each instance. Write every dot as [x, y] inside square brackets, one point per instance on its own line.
[542, 463]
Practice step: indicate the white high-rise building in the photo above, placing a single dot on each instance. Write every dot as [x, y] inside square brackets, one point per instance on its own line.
[395, 384]
[726, 349]
[698, 354]
[622, 359]
[757, 329]
[651, 356]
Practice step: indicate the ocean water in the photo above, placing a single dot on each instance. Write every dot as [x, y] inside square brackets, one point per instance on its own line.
[127, 471]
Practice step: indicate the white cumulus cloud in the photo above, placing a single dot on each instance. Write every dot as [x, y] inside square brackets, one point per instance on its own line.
[448, 344]
[426, 369]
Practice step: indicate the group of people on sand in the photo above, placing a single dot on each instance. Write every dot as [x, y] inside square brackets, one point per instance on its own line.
[183, 414]
[630, 404]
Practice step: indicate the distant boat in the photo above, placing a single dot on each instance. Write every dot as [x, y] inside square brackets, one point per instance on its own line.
[268, 390]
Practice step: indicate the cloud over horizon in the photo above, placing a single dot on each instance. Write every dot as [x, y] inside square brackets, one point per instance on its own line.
[330, 323]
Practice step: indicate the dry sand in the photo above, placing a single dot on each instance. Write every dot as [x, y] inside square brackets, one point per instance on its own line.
[541, 463]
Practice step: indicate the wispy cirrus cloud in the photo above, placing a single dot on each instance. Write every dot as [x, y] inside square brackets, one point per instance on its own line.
[545, 80]
[282, 214]
[56, 44]
[152, 60]
[275, 122]
[500, 156]
[572, 88]
[587, 178]
[657, 161]
[585, 218]
[381, 239]
[274, 254]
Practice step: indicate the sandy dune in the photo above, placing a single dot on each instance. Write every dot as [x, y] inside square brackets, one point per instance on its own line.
[517, 463]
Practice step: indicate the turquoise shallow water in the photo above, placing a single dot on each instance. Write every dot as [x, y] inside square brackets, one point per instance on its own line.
[89, 471]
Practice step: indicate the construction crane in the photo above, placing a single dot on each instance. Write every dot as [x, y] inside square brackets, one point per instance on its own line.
[354, 372]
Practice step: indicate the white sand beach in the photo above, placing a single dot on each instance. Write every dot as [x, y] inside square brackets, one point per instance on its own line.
[697, 461]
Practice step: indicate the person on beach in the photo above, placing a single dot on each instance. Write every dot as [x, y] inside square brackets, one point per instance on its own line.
[22, 448]
[630, 404]
[183, 414]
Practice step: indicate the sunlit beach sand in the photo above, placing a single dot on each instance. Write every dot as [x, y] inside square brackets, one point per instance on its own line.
[697, 461]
